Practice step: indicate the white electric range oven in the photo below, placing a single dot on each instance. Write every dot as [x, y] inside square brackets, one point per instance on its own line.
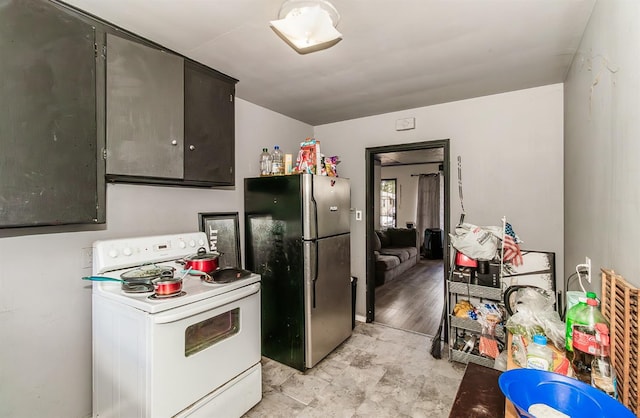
[194, 354]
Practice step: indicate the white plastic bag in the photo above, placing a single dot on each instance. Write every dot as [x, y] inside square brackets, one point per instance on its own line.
[480, 243]
[536, 315]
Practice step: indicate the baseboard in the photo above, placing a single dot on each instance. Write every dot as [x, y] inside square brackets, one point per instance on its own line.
[361, 318]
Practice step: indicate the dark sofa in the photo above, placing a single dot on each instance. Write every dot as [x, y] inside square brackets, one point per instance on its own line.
[396, 251]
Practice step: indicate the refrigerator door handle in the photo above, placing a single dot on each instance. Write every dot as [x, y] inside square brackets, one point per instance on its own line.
[315, 274]
[315, 218]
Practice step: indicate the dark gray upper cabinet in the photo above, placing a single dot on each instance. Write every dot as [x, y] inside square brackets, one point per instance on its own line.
[145, 120]
[50, 173]
[170, 120]
[209, 126]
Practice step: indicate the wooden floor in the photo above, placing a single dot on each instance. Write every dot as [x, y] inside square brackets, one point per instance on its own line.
[414, 300]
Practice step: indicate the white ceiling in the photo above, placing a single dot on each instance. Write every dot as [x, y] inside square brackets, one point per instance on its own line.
[395, 55]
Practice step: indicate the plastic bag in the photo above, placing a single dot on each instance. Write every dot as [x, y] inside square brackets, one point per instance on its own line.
[536, 315]
[489, 317]
[501, 361]
[480, 243]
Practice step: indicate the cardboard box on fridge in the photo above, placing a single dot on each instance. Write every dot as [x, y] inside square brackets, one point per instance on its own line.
[309, 159]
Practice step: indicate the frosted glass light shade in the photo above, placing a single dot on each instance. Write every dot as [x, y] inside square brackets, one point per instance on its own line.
[307, 25]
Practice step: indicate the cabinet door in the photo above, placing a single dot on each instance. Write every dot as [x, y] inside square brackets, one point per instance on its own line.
[48, 135]
[145, 120]
[209, 126]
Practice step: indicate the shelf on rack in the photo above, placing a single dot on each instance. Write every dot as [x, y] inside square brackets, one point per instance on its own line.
[462, 357]
[474, 290]
[472, 325]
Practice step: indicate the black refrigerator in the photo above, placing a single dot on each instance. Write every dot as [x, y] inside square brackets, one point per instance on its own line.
[297, 238]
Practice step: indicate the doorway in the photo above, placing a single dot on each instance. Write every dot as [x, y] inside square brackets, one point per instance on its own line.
[381, 164]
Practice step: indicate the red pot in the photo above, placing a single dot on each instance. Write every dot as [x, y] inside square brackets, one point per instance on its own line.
[167, 287]
[202, 261]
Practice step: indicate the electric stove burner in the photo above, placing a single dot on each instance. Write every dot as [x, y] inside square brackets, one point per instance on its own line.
[160, 297]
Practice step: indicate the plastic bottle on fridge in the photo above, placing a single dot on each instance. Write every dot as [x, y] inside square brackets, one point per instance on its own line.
[585, 345]
[265, 162]
[539, 356]
[572, 314]
[277, 161]
[603, 375]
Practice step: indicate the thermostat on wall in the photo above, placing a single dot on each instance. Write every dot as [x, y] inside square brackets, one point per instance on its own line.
[405, 124]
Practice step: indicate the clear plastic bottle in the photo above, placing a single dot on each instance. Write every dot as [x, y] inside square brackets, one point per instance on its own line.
[585, 346]
[265, 162]
[277, 162]
[539, 356]
[573, 313]
[603, 375]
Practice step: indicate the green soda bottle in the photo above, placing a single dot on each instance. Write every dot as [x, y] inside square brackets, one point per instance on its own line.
[573, 313]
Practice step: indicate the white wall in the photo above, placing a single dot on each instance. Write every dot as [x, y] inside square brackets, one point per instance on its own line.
[602, 144]
[512, 156]
[45, 309]
[407, 189]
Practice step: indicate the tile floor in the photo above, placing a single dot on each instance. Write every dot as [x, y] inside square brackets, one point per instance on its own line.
[378, 372]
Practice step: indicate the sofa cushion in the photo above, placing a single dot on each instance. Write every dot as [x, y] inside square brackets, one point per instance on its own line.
[385, 240]
[413, 251]
[376, 242]
[402, 237]
[401, 253]
[386, 262]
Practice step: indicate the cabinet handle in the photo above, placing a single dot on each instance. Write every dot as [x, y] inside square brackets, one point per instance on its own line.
[174, 142]
[192, 147]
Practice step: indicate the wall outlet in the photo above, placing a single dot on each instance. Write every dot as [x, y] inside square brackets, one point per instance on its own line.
[358, 215]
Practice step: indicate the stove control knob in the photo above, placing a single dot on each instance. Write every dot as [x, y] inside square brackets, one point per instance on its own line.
[182, 244]
[127, 251]
[192, 243]
[113, 253]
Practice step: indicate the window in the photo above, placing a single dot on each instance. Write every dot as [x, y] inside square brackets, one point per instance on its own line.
[211, 331]
[388, 203]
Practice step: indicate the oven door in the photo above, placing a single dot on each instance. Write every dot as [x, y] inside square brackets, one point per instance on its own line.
[199, 347]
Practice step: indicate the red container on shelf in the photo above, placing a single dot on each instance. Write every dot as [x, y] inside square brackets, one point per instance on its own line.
[464, 261]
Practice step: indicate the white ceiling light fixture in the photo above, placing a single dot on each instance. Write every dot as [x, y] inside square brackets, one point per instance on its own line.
[308, 25]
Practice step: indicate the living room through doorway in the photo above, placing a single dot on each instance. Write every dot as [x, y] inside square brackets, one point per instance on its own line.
[405, 286]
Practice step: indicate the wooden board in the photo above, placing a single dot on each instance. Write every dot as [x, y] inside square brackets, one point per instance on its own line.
[620, 302]
[478, 395]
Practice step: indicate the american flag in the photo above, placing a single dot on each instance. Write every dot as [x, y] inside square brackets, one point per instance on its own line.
[511, 251]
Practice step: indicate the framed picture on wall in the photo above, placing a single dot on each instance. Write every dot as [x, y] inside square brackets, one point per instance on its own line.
[222, 231]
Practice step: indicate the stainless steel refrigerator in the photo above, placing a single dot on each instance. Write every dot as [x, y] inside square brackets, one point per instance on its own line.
[297, 238]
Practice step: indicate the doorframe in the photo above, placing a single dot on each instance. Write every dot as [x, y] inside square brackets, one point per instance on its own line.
[370, 154]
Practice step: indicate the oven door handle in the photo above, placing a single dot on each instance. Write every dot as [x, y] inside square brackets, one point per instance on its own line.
[216, 302]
